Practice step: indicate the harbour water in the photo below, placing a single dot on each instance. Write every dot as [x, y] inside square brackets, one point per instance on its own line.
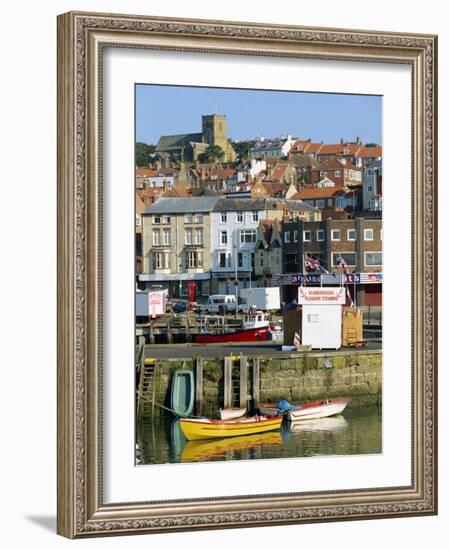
[357, 431]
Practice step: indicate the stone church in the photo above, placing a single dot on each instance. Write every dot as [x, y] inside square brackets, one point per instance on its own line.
[189, 146]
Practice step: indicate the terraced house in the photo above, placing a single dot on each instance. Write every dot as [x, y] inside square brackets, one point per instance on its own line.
[176, 239]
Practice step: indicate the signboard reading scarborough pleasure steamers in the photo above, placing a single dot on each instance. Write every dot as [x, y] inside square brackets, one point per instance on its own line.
[324, 295]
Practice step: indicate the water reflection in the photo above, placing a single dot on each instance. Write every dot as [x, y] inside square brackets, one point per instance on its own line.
[359, 431]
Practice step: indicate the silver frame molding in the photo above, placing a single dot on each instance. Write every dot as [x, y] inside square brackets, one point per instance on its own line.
[81, 38]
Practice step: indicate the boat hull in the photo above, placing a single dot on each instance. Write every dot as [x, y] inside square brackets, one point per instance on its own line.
[250, 335]
[195, 429]
[183, 392]
[229, 414]
[318, 410]
[308, 411]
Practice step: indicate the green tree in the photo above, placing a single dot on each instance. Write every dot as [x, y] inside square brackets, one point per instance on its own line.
[213, 153]
[143, 153]
[242, 148]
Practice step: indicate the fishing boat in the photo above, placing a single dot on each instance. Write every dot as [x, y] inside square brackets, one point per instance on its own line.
[230, 413]
[205, 428]
[255, 328]
[306, 411]
[182, 392]
[207, 449]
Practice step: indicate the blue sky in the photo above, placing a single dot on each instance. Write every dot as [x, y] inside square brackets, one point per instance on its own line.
[164, 110]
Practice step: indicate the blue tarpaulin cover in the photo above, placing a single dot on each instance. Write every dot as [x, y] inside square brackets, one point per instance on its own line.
[284, 405]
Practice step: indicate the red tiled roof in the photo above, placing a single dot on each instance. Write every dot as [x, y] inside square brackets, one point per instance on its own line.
[319, 193]
[339, 148]
[145, 172]
[274, 189]
[367, 152]
[335, 164]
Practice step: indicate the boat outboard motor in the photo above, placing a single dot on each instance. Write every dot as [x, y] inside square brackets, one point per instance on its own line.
[284, 406]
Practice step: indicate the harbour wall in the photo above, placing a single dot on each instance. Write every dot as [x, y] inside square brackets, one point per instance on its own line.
[297, 378]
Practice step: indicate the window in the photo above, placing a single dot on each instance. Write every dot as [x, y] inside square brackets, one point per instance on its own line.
[351, 235]
[189, 236]
[198, 218]
[198, 236]
[161, 260]
[166, 260]
[224, 217]
[165, 219]
[157, 260]
[295, 236]
[240, 217]
[156, 237]
[373, 258]
[335, 235]
[255, 216]
[223, 237]
[156, 219]
[240, 259]
[287, 237]
[349, 257]
[307, 235]
[370, 188]
[188, 218]
[247, 236]
[166, 237]
[222, 259]
[338, 173]
[368, 235]
[320, 203]
[320, 235]
[195, 259]
[253, 260]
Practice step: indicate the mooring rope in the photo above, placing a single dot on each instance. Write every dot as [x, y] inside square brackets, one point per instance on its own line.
[168, 409]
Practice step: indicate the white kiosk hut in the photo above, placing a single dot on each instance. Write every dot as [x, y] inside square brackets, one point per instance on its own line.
[322, 316]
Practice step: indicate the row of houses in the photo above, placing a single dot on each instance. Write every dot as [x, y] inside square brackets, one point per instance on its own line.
[228, 243]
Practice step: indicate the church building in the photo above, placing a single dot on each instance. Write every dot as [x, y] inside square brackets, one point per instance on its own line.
[188, 147]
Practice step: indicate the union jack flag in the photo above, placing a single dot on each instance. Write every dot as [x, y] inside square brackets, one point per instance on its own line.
[342, 263]
[313, 264]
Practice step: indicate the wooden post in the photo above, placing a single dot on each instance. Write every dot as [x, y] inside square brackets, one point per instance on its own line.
[199, 386]
[256, 380]
[151, 332]
[243, 381]
[227, 401]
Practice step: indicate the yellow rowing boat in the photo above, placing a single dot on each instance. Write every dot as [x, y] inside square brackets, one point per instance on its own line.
[204, 428]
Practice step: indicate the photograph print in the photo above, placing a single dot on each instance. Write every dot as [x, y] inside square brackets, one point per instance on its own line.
[258, 274]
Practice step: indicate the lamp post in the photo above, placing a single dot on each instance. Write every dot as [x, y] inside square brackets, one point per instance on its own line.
[236, 281]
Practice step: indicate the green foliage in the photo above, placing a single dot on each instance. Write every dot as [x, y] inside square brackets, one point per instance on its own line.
[143, 152]
[213, 153]
[242, 148]
[371, 145]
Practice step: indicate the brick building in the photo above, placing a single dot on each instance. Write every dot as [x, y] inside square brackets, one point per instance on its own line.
[359, 242]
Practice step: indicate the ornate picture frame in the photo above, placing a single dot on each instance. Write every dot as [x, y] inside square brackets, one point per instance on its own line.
[82, 38]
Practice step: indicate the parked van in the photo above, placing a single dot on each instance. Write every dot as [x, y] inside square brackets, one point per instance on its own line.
[221, 303]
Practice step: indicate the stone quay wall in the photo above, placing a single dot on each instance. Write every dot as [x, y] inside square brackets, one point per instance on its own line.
[296, 377]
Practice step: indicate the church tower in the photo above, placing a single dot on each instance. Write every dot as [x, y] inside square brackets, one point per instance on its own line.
[215, 132]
